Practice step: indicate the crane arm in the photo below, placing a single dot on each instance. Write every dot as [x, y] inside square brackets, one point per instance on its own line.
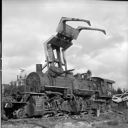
[79, 28]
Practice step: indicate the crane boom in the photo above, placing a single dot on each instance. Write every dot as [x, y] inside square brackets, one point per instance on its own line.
[56, 46]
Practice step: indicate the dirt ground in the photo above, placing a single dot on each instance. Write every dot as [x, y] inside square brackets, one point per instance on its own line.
[112, 119]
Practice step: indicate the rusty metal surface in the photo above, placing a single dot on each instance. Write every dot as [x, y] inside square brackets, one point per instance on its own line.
[57, 89]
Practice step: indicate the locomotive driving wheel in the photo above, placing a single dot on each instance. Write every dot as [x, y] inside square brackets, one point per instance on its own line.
[20, 113]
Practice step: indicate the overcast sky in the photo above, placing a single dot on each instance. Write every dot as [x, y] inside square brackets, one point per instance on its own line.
[26, 24]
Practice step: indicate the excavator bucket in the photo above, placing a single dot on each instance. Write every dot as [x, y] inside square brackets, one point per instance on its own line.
[72, 33]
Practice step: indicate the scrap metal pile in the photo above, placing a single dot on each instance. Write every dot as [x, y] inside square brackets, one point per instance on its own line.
[57, 90]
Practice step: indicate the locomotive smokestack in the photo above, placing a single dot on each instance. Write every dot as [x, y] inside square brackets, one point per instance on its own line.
[39, 68]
